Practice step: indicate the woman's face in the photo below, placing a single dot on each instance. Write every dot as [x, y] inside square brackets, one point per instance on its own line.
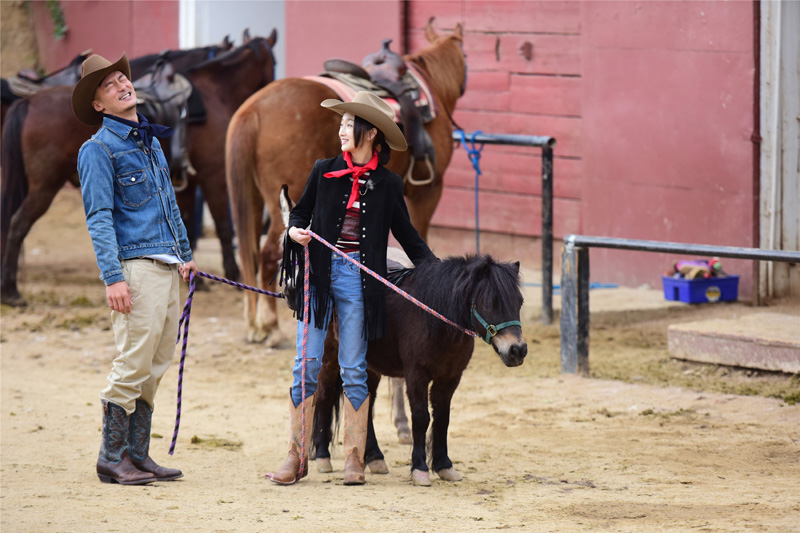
[347, 134]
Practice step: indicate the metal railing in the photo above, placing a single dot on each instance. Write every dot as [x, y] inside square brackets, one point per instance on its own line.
[546, 144]
[575, 284]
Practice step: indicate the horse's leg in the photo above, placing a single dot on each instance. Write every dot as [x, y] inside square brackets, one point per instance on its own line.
[32, 208]
[399, 410]
[373, 457]
[267, 320]
[329, 390]
[441, 395]
[417, 387]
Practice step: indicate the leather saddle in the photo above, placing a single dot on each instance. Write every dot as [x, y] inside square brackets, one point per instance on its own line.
[386, 74]
[162, 96]
[28, 81]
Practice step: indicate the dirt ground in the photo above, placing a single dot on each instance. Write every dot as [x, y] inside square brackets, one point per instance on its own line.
[645, 444]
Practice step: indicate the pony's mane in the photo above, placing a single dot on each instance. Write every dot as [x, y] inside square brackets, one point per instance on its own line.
[443, 60]
[451, 285]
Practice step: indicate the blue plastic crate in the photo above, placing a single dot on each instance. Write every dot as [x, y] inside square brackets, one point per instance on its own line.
[702, 290]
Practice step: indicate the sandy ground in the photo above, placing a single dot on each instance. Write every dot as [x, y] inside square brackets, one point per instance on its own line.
[539, 451]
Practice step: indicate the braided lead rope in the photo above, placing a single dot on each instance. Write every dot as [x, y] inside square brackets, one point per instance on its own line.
[184, 321]
[306, 309]
[396, 289]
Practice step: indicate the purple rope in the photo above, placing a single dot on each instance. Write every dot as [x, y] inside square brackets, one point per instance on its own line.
[396, 289]
[241, 285]
[187, 311]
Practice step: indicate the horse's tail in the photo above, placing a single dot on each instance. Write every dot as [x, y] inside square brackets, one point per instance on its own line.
[14, 187]
[245, 198]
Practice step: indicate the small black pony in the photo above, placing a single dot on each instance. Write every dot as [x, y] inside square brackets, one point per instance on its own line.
[475, 292]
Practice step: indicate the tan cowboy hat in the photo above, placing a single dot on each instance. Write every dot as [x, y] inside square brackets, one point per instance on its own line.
[374, 110]
[93, 72]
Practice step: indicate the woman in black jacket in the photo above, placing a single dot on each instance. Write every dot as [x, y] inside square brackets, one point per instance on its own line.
[351, 201]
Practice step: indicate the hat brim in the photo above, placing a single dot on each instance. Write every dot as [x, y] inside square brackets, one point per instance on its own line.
[83, 93]
[394, 137]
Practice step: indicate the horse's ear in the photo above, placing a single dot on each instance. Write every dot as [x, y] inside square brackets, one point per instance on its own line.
[430, 33]
[227, 44]
[458, 32]
[273, 37]
[516, 265]
[246, 36]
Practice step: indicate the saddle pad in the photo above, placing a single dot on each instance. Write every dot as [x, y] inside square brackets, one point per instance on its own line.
[346, 85]
[335, 81]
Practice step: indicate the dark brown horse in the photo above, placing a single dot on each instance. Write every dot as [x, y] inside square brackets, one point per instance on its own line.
[275, 137]
[477, 293]
[42, 139]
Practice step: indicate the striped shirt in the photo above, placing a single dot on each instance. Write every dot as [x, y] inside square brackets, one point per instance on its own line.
[349, 237]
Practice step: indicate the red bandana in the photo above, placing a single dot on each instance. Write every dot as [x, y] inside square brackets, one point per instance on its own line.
[356, 171]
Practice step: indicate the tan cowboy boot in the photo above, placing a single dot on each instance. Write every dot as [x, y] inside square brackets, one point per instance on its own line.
[290, 473]
[355, 440]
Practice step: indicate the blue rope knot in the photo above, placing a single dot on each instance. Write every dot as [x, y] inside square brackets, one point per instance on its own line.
[473, 153]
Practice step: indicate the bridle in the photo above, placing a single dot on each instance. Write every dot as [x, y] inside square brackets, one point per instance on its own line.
[491, 330]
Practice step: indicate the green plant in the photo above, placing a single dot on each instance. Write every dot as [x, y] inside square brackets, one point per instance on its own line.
[57, 15]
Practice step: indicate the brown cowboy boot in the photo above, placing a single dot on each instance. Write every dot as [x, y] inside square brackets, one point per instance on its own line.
[355, 440]
[139, 442]
[114, 464]
[289, 472]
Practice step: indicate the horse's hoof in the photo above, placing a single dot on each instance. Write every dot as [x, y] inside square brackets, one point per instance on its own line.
[255, 336]
[404, 436]
[449, 474]
[324, 465]
[275, 338]
[378, 466]
[14, 300]
[420, 478]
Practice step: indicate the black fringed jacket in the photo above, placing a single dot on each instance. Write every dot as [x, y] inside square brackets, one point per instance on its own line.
[383, 208]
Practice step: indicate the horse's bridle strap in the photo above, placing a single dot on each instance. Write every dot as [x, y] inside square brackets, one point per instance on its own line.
[491, 330]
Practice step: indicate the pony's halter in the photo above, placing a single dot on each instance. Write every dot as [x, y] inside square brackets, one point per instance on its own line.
[491, 330]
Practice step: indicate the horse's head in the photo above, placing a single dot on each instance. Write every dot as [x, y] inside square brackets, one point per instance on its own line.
[496, 301]
[445, 63]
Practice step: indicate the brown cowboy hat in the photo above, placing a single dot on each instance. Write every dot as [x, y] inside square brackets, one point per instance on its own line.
[93, 72]
[375, 111]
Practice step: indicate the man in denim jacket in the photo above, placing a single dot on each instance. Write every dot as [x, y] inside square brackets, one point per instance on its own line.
[142, 251]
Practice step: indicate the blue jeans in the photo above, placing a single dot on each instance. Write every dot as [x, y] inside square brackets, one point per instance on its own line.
[348, 298]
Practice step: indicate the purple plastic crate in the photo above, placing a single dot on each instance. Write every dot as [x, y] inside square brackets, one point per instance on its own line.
[702, 290]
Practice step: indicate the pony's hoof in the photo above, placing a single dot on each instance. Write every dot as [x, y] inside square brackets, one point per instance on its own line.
[14, 300]
[378, 466]
[449, 474]
[404, 436]
[420, 478]
[324, 465]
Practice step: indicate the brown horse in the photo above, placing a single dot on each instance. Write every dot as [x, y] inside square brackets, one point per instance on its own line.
[42, 139]
[275, 137]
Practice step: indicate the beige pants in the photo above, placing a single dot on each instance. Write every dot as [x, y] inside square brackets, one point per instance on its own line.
[146, 336]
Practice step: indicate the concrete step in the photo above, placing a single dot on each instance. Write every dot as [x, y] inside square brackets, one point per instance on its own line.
[765, 340]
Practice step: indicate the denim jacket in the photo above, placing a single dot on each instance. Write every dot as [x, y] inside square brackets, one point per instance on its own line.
[128, 198]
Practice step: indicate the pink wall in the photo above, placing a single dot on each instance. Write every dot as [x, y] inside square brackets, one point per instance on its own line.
[108, 28]
[509, 92]
[320, 30]
[668, 100]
